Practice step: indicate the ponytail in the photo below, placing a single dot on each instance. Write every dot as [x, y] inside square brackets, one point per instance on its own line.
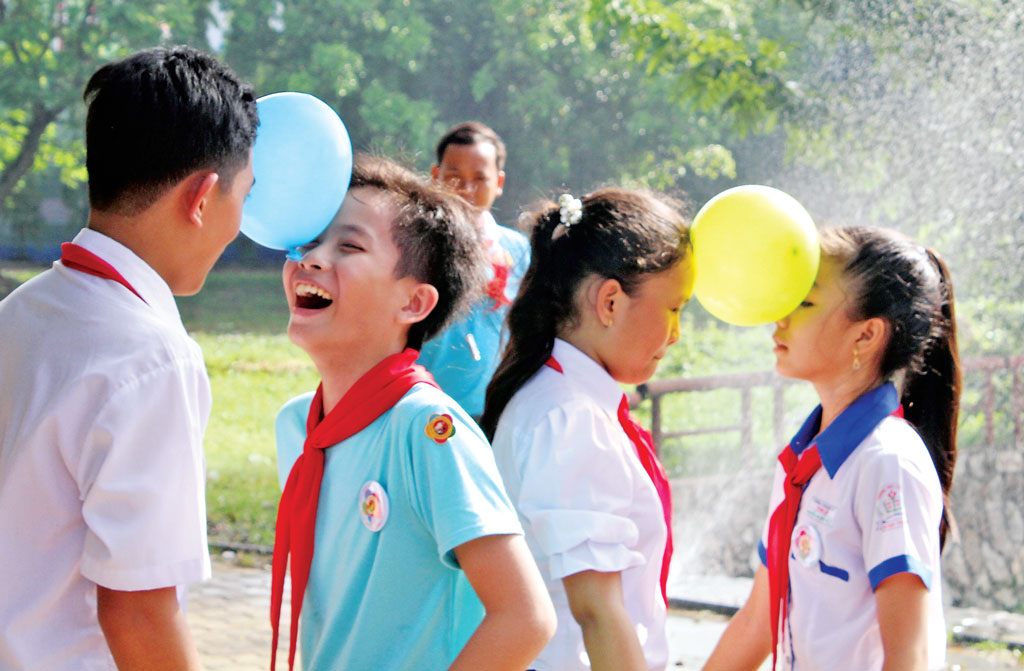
[931, 394]
[908, 286]
[532, 323]
[622, 234]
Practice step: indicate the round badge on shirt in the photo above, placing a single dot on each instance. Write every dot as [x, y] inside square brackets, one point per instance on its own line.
[806, 545]
[373, 505]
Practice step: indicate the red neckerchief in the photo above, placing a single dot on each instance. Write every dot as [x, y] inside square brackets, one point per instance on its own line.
[81, 259]
[644, 445]
[780, 528]
[799, 471]
[496, 287]
[372, 395]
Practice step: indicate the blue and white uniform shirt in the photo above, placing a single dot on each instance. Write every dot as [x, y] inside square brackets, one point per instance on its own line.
[872, 511]
[464, 356]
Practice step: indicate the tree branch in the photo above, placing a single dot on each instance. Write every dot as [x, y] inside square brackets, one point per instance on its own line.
[40, 119]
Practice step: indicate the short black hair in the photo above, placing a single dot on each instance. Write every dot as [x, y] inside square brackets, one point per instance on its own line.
[159, 115]
[472, 132]
[436, 239]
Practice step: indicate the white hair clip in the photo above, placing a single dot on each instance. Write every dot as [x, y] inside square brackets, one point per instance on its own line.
[570, 210]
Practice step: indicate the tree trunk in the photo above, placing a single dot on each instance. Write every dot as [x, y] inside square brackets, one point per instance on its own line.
[39, 119]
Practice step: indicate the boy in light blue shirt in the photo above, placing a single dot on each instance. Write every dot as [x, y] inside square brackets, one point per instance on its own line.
[392, 500]
[462, 358]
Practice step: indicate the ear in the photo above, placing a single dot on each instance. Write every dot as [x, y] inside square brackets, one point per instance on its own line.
[608, 297]
[873, 336]
[501, 183]
[422, 299]
[435, 172]
[197, 195]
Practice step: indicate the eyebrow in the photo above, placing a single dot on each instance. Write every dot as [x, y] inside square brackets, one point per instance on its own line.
[352, 228]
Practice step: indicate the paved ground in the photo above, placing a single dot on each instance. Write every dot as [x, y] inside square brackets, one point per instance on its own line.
[230, 621]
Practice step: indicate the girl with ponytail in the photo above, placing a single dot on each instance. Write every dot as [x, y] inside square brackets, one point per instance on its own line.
[598, 307]
[860, 507]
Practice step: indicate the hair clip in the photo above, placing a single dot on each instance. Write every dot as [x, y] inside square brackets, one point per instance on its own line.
[570, 210]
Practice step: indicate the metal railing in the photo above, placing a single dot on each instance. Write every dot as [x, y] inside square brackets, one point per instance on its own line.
[987, 367]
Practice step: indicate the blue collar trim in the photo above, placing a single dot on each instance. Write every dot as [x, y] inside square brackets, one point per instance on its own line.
[849, 429]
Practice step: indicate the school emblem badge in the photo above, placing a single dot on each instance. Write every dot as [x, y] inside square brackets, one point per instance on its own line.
[440, 428]
[889, 508]
[806, 544]
[373, 505]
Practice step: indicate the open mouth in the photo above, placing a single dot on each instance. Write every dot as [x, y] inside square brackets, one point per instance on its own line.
[311, 297]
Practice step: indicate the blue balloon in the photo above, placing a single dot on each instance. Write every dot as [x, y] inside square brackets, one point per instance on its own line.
[302, 161]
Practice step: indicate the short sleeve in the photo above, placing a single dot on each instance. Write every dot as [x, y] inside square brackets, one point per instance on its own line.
[142, 483]
[778, 494]
[456, 488]
[290, 431]
[898, 507]
[577, 491]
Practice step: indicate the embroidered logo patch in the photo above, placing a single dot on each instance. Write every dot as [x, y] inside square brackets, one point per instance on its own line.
[440, 428]
[806, 545]
[373, 505]
[889, 508]
[821, 512]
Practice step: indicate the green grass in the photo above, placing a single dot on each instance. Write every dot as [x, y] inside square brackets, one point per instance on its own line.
[239, 319]
[252, 376]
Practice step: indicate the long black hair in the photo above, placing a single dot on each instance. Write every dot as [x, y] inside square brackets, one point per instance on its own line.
[892, 277]
[621, 234]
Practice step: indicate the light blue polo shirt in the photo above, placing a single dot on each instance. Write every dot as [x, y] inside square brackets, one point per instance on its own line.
[385, 590]
[870, 512]
[459, 369]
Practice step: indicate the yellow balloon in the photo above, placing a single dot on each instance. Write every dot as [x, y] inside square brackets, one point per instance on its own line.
[756, 254]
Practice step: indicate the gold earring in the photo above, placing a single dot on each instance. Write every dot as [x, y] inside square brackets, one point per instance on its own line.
[856, 360]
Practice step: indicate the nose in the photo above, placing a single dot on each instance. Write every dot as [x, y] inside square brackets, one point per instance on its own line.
[674, 335]
[311, 256]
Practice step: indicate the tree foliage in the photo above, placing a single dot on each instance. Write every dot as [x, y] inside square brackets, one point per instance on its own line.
[48, 49]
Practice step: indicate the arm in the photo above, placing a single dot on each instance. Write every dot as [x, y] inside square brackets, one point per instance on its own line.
[519, 619]
[596, 602]
[146, 630]
[902, 602]
[747, 641]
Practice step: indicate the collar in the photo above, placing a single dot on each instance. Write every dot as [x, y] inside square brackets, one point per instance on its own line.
[849, 429]
[489, 231]
[140, 275]
[588, 375]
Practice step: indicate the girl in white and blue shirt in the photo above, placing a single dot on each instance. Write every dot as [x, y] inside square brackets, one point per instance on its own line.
[859, 510]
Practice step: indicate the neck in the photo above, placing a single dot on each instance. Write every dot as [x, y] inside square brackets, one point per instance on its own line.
[339, 371]
[838, 396]
[150, 237]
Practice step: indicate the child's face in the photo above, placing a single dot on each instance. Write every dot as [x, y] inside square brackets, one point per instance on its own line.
[343, 294]
[815, 342]
[472, 170]
[647, 324]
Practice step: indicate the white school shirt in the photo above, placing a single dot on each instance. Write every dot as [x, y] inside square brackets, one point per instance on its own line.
[584, 499]
[103, 403]
[871, 511]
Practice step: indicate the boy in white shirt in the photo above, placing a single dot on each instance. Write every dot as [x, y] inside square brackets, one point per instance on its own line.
[105, 397]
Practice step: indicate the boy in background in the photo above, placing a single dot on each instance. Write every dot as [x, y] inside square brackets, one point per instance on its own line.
[105, 397]
[471, 160]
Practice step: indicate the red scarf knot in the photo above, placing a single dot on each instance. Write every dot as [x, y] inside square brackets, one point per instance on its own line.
[495, 289]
